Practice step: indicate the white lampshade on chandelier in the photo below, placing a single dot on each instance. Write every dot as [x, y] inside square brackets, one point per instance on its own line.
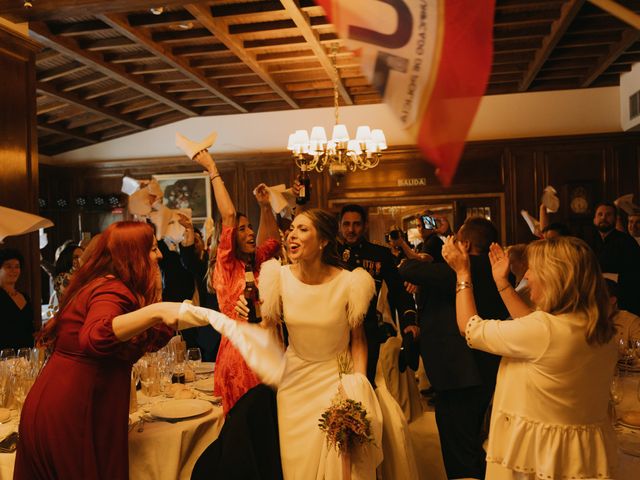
[339, 154]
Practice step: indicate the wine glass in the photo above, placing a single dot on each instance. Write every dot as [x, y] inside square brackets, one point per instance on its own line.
[616, 392]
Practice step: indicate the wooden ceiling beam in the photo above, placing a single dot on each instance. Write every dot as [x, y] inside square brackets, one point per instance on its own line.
[115, 132]
[196, 50]
[288, 42]
[154, 112]
[167, 18]
[89, 105]
[67, 46]
[78, 134]
[123, 99]
[78, 28]
[629, 37]
[63, 9]
[105, 44]
[61, 71]
[99, 127]
[129, 57]
[177, 36]
[51, 107]
[82, 82]
[218, 28]
[141, 37]
[303, 23]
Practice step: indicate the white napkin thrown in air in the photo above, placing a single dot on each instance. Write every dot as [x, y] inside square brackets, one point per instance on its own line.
[550, 199]
[534, 225]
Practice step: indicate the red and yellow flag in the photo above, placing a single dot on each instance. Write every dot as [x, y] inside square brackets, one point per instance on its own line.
[430, 60]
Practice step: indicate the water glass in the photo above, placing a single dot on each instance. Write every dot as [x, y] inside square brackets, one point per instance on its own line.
[194, 356]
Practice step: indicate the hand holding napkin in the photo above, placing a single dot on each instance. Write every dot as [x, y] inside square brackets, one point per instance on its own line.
[282, 199]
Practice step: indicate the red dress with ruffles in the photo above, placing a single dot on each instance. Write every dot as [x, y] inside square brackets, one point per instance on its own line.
[232, 376]
[74, 419]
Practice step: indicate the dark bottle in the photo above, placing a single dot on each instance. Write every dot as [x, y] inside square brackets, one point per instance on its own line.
[178, 377]
[251, 294]
[304, 194]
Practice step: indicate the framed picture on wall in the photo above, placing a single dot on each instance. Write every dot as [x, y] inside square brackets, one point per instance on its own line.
[579, 199]
[187, 190]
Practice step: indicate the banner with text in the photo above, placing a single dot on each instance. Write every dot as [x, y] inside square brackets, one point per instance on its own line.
[429, 59]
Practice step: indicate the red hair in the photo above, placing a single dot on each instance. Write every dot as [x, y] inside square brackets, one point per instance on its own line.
[122, 251]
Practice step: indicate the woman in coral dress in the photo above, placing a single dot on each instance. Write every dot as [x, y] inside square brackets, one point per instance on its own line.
[238, 245]
[323, 307]
[549, 417]
[74, 419]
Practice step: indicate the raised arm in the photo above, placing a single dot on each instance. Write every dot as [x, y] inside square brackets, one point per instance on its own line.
[268, 227]
[457, 256]
[500, 270]
[544, 219]
[128, 325]
[223, 200]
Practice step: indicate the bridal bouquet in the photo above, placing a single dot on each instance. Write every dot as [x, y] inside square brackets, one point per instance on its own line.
[346, 425]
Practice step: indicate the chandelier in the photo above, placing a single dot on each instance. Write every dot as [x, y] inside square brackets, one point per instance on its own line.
[340, 154]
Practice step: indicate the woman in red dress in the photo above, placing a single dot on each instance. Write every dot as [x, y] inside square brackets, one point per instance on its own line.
[74, 420]
[236, 247]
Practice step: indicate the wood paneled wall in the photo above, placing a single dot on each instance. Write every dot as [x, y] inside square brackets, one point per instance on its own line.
[18, 147]
[505, 175]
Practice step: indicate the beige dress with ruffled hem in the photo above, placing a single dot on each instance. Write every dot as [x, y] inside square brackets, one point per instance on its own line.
[549, 418]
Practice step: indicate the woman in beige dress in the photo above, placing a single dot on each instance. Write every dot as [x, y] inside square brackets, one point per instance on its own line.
[549, 417]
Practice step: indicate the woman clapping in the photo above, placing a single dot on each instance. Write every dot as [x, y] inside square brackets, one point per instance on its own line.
[549, 417]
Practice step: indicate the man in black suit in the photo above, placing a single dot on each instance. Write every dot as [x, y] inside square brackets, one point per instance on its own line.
[463, 379]
[618, 253]
[356, 252]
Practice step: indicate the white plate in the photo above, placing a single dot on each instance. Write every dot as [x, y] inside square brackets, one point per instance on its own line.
[205, 367]
[204, 385]
[178, 409]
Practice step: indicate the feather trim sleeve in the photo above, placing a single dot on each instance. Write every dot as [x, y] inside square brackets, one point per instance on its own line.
[270, 287]
[361, 291]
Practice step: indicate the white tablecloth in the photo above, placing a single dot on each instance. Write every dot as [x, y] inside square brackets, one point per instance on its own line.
[163, 451]
[629, 465]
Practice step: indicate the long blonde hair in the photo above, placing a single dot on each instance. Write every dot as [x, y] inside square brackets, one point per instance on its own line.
[572, 283]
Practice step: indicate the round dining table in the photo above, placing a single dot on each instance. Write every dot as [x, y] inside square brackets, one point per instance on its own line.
[159, 449]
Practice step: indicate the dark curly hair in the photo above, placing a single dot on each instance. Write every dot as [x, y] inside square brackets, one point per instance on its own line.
[11, 254]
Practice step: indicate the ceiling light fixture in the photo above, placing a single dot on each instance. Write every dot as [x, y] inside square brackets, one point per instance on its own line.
[27, 4]
[341, 154]
[181, 26]
[157, 10]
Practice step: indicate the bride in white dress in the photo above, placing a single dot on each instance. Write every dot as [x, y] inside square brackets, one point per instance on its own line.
[323, 307]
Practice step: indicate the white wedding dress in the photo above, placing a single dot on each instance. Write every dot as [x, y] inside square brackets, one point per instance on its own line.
[319, 319]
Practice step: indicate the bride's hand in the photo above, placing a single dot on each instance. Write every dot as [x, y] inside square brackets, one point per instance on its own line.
[242, 308]
[456, 254]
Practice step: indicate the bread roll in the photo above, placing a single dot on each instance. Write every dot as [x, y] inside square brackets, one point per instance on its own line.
[184, 394]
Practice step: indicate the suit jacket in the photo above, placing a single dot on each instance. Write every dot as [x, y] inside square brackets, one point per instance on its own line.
[448, 361]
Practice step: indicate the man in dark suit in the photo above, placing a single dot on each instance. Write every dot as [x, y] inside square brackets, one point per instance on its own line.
[463, 379]
[618, 254]
[356, 252]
